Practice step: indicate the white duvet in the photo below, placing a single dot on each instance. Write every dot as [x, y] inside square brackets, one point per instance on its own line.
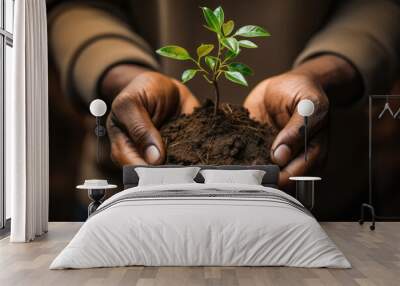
[206, 230]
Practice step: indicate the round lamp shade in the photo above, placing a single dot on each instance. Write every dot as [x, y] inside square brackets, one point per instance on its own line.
[305, 107]
[98, 107]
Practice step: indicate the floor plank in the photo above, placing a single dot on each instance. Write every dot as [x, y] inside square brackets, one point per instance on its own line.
[375, 257]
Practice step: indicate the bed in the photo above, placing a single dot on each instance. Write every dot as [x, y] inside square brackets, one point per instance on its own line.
[201, 224]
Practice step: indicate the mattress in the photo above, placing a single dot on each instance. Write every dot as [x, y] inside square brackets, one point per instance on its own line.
[201, 225]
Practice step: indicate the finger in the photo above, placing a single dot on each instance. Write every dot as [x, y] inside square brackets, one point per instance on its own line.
[299, 166]
[187, 101]
[254, 103]
[123, 152]
[290, 140]
[131, 116]
[189, 104]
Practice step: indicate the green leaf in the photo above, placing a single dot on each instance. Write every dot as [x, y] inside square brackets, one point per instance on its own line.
[211, 20]
[204, 49]
[247, 44]
[239, 67]
[230, 55]
[235, 77]
[251, 31]
[211, 61]
[188, 75]
[231, 44]
[219, 13]
[174, 52]
[227, 27]
[208, 28]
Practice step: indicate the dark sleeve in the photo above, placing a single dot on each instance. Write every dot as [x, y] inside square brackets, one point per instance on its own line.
[367, 34]
[85, 39]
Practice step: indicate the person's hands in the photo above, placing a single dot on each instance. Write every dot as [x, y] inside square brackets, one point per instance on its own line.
[139, 109]
[274, 101]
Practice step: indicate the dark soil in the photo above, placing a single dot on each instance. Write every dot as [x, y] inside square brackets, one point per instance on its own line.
[229, 138]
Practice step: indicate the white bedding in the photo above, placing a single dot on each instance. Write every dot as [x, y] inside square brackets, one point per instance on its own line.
[185, 230]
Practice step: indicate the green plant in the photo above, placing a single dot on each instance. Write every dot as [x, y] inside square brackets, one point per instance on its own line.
[229, 47]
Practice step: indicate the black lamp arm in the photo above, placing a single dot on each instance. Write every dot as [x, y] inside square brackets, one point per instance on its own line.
[100, 131]
[305, 136]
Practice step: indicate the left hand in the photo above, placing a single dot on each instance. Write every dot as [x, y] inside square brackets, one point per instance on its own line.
[274, 101]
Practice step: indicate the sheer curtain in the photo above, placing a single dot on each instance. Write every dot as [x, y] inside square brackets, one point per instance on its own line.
[27, 124]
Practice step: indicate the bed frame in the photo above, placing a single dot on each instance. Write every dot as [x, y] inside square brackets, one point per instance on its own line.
[131, 179]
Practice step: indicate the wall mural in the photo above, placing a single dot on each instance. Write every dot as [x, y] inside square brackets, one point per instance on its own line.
[176, 84]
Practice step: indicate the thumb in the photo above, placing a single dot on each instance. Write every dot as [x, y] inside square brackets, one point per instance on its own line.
[141, 130]
[289, 141]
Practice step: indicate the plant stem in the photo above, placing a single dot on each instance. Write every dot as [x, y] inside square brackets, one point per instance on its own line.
[215, 79]
[199, 66]
[216, 104]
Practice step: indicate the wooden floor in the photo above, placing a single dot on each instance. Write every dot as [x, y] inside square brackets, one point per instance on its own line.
[375, 257]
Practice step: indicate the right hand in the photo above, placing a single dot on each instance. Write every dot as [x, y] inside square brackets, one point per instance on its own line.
[140, 108]
[274, 101]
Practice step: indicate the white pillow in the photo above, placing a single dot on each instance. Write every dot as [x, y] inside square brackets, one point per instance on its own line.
[164, 176]
[248, 177]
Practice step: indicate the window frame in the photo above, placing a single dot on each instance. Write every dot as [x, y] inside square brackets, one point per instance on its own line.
[6, 39]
